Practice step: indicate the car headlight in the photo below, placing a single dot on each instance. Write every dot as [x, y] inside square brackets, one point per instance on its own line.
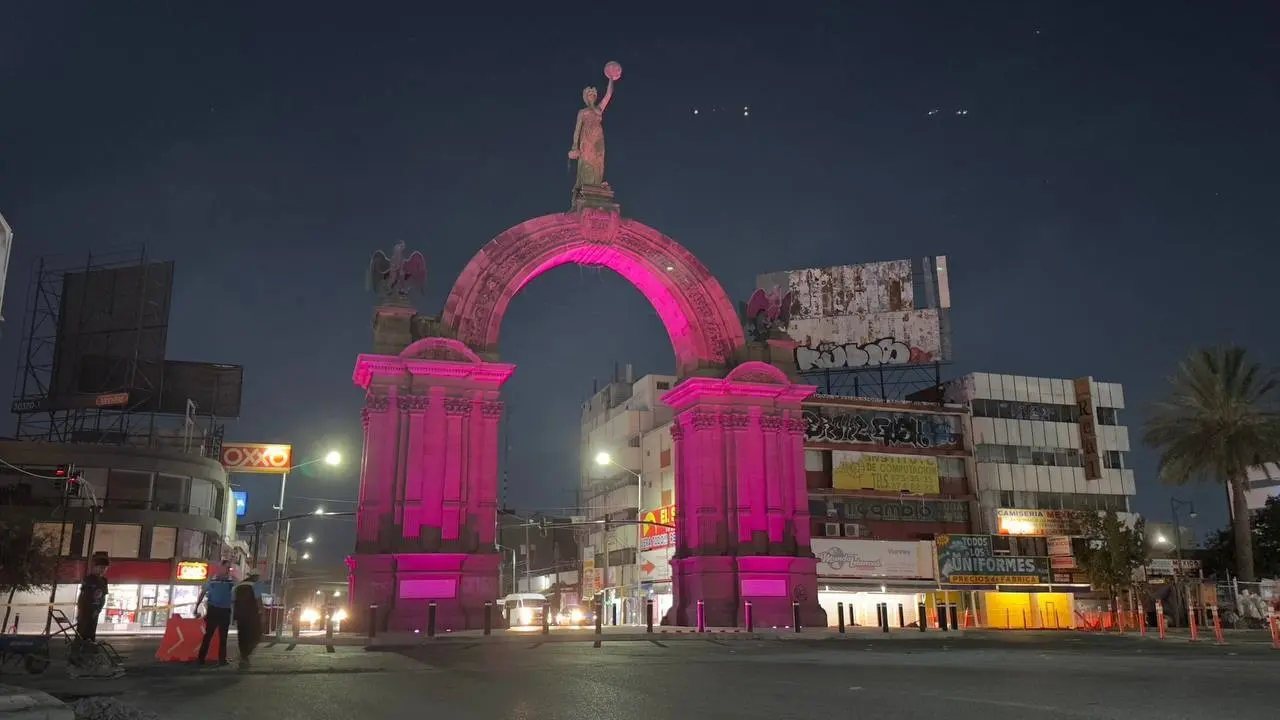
[339, 615]
[524, 616]
[309, 615]
[575, 615]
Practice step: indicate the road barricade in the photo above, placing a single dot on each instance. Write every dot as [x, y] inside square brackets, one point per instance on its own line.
[181, 642]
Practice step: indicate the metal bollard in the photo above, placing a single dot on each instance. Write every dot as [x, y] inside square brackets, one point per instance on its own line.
[902, 616]
[942, 617]
[613, 612]
[599, 615]
[884, 618]
[373, 621]
[879, 617]
[328, 627]
[297, 622]
[922, 617]
[795, 615]
[840, 614]
[751, 623]
[648, 615]
[488, 617]
[955, 616]
[702, 616]
[431, 619]
[546, 621]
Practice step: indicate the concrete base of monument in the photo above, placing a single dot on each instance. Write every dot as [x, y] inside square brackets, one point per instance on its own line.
[726, 584]
[403, 586]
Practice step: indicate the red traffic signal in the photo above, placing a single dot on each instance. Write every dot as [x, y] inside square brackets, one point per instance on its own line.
[62, 471]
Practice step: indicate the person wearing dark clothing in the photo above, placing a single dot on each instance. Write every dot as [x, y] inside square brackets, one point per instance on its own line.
[217, 617]
[247, 610]
[92, 598]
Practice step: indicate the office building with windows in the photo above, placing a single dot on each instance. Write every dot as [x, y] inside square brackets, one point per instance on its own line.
[1045, 450]
[164, 517]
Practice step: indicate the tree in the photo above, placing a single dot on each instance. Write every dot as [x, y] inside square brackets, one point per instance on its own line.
[1113, 553]
[1220, 547]
[1219, 420]
[28, 561]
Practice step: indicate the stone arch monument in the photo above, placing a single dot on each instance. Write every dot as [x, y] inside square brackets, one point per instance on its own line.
[429, 472]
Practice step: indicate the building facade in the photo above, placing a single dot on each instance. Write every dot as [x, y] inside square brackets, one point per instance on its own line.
[163, 518]
[615, 422]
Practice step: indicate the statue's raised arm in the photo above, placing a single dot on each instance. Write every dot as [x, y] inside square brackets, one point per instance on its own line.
[613, 71]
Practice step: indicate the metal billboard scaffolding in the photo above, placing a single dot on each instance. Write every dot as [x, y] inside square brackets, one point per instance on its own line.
[93, 365]
[884, 382]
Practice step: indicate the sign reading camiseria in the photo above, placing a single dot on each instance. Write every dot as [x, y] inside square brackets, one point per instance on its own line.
[971, 560]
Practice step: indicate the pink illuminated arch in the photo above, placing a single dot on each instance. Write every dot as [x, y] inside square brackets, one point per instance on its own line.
[701, 321]
[438, 348]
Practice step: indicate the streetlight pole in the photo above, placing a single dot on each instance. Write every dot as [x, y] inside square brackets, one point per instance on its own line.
[603, 458]
[1174, 505]
[333, 457]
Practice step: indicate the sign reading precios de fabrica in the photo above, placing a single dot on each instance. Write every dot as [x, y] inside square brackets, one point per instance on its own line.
[971, 560]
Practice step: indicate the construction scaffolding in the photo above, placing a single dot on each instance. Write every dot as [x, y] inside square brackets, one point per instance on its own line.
[883, 382]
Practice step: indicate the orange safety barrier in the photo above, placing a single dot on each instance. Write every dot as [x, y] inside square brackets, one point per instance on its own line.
[1275, 631]
[181, 642]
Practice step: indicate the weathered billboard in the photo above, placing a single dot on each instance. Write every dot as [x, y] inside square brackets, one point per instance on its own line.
[856, 316]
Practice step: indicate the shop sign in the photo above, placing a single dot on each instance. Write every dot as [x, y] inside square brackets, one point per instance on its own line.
[1039, 522]
[1172, 566]
[878, 427]
[913, 474]
[1062, 562]
[908, 510]
[193, 571]
[1059, 546]
[657, 537]
[873, 559]
[1088, 429]
[271, 458]
[971, 560]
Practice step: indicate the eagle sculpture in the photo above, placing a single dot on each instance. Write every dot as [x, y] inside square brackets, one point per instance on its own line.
[393, 277]
[767, 312]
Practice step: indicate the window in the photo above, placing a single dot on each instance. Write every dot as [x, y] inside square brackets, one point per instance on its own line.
[202, 497]
[813, 460]
[662, 385]
[53, 532]
[1108, 416]
[190, 544]
[171, 493]
[1010, 410]
[118, 541]
[129, 489]
[951, 467]
[1113, 459]
[163, 542]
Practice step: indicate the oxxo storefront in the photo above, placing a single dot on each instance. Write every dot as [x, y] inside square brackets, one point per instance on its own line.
[861, 574]
[151, 592]
[1002, 591]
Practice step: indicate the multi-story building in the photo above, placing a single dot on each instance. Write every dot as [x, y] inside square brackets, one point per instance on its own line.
[540, 555]
[1043, 446]
[162, 517]
[885, 478]
[614, 422]
[1262, 483]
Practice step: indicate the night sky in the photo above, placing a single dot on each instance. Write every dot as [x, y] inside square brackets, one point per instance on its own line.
[1099, 175]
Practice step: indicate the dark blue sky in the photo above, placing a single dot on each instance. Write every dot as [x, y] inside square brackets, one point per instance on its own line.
[1104, 202]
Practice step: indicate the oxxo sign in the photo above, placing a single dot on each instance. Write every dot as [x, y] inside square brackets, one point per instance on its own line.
[256, 458]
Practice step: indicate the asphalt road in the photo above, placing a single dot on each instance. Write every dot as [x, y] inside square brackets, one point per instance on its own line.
[990, 677]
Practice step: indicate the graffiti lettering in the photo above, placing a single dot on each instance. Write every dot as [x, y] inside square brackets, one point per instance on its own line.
[885, 351]
[895, 430]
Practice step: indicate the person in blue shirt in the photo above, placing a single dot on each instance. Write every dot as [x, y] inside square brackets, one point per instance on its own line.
[217, 618]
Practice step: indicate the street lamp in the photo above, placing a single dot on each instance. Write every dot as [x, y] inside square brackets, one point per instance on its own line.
[333, 458]
[306, 556]
[604, 459]
[1174, 505]
[310, 539]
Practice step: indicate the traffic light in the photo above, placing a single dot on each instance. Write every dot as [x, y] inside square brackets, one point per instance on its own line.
[62, 472]
[74, 483]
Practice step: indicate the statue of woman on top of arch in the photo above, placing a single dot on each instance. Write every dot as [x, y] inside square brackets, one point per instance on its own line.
[588, 134]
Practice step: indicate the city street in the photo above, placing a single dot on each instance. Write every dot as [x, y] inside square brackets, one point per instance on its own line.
[988, 676]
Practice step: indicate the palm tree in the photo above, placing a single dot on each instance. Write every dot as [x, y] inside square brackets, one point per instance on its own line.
[1219, 420]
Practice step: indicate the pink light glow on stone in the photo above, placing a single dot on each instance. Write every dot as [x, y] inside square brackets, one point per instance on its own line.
[701, 321]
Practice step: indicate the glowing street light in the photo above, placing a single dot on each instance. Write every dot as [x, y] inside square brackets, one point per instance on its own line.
[310, 539]
[333, 457]
[306, 556]
[320, 510]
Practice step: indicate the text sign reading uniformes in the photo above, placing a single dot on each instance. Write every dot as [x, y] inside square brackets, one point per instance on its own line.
[971, 560]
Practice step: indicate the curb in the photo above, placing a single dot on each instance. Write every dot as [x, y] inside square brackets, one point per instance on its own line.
[18, 703]
[668, 635]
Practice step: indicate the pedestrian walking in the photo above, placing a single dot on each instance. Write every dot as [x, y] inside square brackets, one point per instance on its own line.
[217, 617]
[247, 608]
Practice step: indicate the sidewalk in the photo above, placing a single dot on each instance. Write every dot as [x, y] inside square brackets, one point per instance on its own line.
[19, 703]
[403, 640]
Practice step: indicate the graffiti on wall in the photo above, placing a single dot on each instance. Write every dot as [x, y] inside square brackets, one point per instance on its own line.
[856, 316]
[885, 351]
[873, 427]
